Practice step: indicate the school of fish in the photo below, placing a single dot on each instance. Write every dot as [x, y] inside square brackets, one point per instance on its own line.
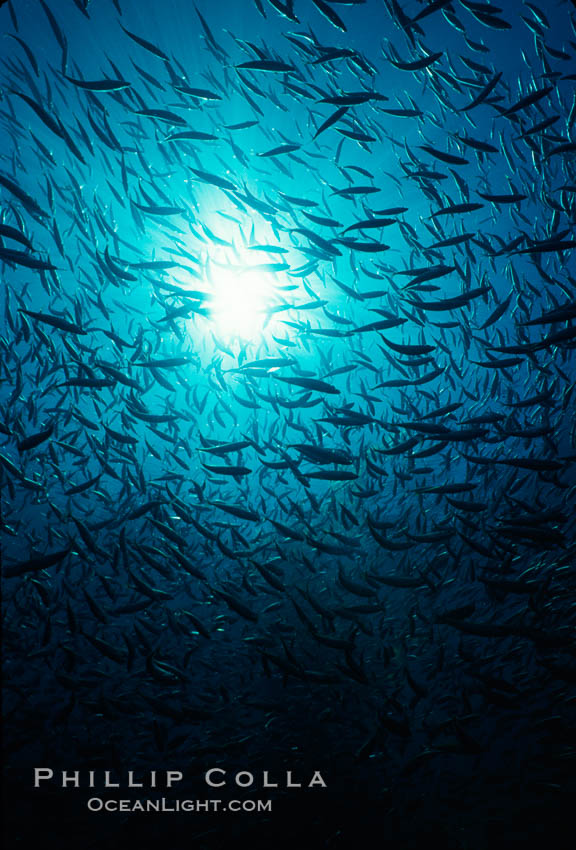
[288, 442]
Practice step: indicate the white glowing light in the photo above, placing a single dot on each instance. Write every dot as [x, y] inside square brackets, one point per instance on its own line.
[241, 299]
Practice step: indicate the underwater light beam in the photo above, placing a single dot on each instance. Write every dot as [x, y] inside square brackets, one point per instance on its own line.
[242, 298]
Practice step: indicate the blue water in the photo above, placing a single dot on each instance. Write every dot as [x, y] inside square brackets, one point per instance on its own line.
[287, 416]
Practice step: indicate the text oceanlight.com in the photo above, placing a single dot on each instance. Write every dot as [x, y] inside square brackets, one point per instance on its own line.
[97, 804]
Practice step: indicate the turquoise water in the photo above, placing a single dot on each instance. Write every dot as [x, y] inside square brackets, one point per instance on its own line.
[287, 416]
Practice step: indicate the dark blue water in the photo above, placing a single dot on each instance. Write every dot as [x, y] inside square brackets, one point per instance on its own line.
[287, 421]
